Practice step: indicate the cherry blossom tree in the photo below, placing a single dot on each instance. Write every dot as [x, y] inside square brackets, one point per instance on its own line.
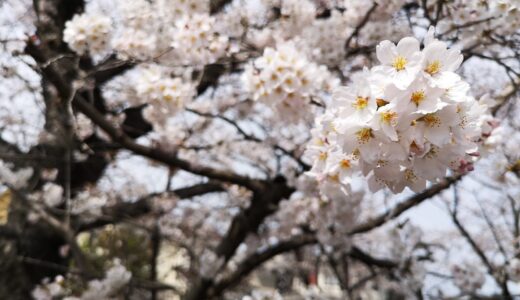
[259, 149]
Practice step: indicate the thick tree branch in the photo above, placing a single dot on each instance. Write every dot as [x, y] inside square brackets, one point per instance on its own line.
[8, 233]
[264, 203]
[257, 259]
[167, 158]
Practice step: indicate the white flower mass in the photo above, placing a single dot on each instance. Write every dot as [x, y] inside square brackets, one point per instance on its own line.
[286, 80]
[260, 149]
[402, 123]
[88, 32]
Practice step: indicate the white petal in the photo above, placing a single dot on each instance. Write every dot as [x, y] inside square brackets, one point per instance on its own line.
[386, 51]
[408, 46]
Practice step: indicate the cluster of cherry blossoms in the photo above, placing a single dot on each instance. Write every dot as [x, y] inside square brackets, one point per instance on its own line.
[402, 123]
[196, 42]
[165, 95]
[284, 79]
[134, 30]
[88, 32]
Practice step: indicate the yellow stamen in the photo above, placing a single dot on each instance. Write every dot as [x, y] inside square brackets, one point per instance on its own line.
[433, 67]
[334, 177]
[388, 117]
[432, 153]
[382, 163]
[417, 97]
[333, 127]
[356, 153]
[399, 63]
[410, 176]
[431, 120]
[361, 103]
[323, 155]
[364, 135]
[345, 163]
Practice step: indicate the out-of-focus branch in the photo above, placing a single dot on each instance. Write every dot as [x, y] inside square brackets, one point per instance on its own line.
[61, 228]
[217, 5]
[264, 202]
[367, 259]
[109, 69]
[361, 24]
[257, 259]
[253, 138]
[478, 251]
[252, 262]
[157, 154]
[64, 87]
[128, 210]
[405, 205]
[8, 233]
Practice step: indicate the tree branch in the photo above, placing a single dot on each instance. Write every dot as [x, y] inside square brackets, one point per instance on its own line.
[128, 210]
[405, 205]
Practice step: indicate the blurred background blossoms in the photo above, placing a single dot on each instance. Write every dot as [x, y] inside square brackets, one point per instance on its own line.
[259, 149]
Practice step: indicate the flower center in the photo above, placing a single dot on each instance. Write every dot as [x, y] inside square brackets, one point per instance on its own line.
[361, 103]
[388, 117]
[364, 135]
[431, 120]
[323, 155]
[414, 148]
[168, 98]
[334, 177]
[410, 175]
[345, 163]
[433, 67]
[399, 63]
[417, 97]
[432, 153]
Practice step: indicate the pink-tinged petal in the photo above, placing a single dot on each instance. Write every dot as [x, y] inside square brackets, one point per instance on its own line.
[453, 60]
[390, 132]
[435, 51]
[430, 169]
[395, 151]
[438, 135]
[430, 36]
[343, 93]
[386, 51]
[389, 171]
[415, 62]
[446, 80]
[404, 78]
[375, 184]
[408, 46]
[418, 186]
